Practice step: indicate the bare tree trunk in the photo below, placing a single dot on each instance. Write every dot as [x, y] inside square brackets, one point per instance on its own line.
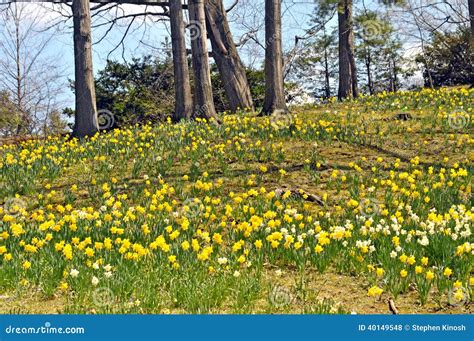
[471, 17]
[351, 48]
[395, 75]
[368, 63]
[422, 45]
[23, 124]
[23, 114]
[326, 73]
[227, 58]
[274, 85]
[183, 97]
[86, 122]
[202, 73]
[345, 70]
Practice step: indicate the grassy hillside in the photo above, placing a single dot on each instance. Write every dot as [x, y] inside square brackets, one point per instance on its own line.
[338, 208]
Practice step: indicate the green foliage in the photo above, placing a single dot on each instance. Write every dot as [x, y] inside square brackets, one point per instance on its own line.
[218, 91]
[143, 90]
[256, 79]
[139, 91]
[55, 124]
[10, 117]
[449, 59]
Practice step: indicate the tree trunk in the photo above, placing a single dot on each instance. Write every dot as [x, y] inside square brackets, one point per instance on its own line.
[368, 62]
[326, 73]
[24, 117]
[274, 86]
[345, 70]
[183, 97]
[351, 50]
[202, 73]
[471, 17]
[227, 58]
[24, 124]
[395, 75]
[86, 122]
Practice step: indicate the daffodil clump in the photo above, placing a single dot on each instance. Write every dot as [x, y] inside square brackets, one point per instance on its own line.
[146, 212]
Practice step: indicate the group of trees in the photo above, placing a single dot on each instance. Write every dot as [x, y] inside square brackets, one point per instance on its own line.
[392, 42]
[143, 89]
[208, 19]
[30, 80]
[362, 52]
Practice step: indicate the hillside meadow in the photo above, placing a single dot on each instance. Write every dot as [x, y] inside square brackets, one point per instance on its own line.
[355, 207]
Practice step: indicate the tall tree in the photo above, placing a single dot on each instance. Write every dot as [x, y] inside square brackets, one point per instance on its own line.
[227, 58]
[377, 51]
[471, 16]
[352, 61]
[347, 67]
[274, 86]
[30, 74]
[204, 104]
[317, 64]
[183, 102]
[86, 121]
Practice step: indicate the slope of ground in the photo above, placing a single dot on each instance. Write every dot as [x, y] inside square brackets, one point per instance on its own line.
[336, 209]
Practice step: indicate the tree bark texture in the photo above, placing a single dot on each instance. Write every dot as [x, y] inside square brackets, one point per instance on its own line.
[274, 86]
[227, 58]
